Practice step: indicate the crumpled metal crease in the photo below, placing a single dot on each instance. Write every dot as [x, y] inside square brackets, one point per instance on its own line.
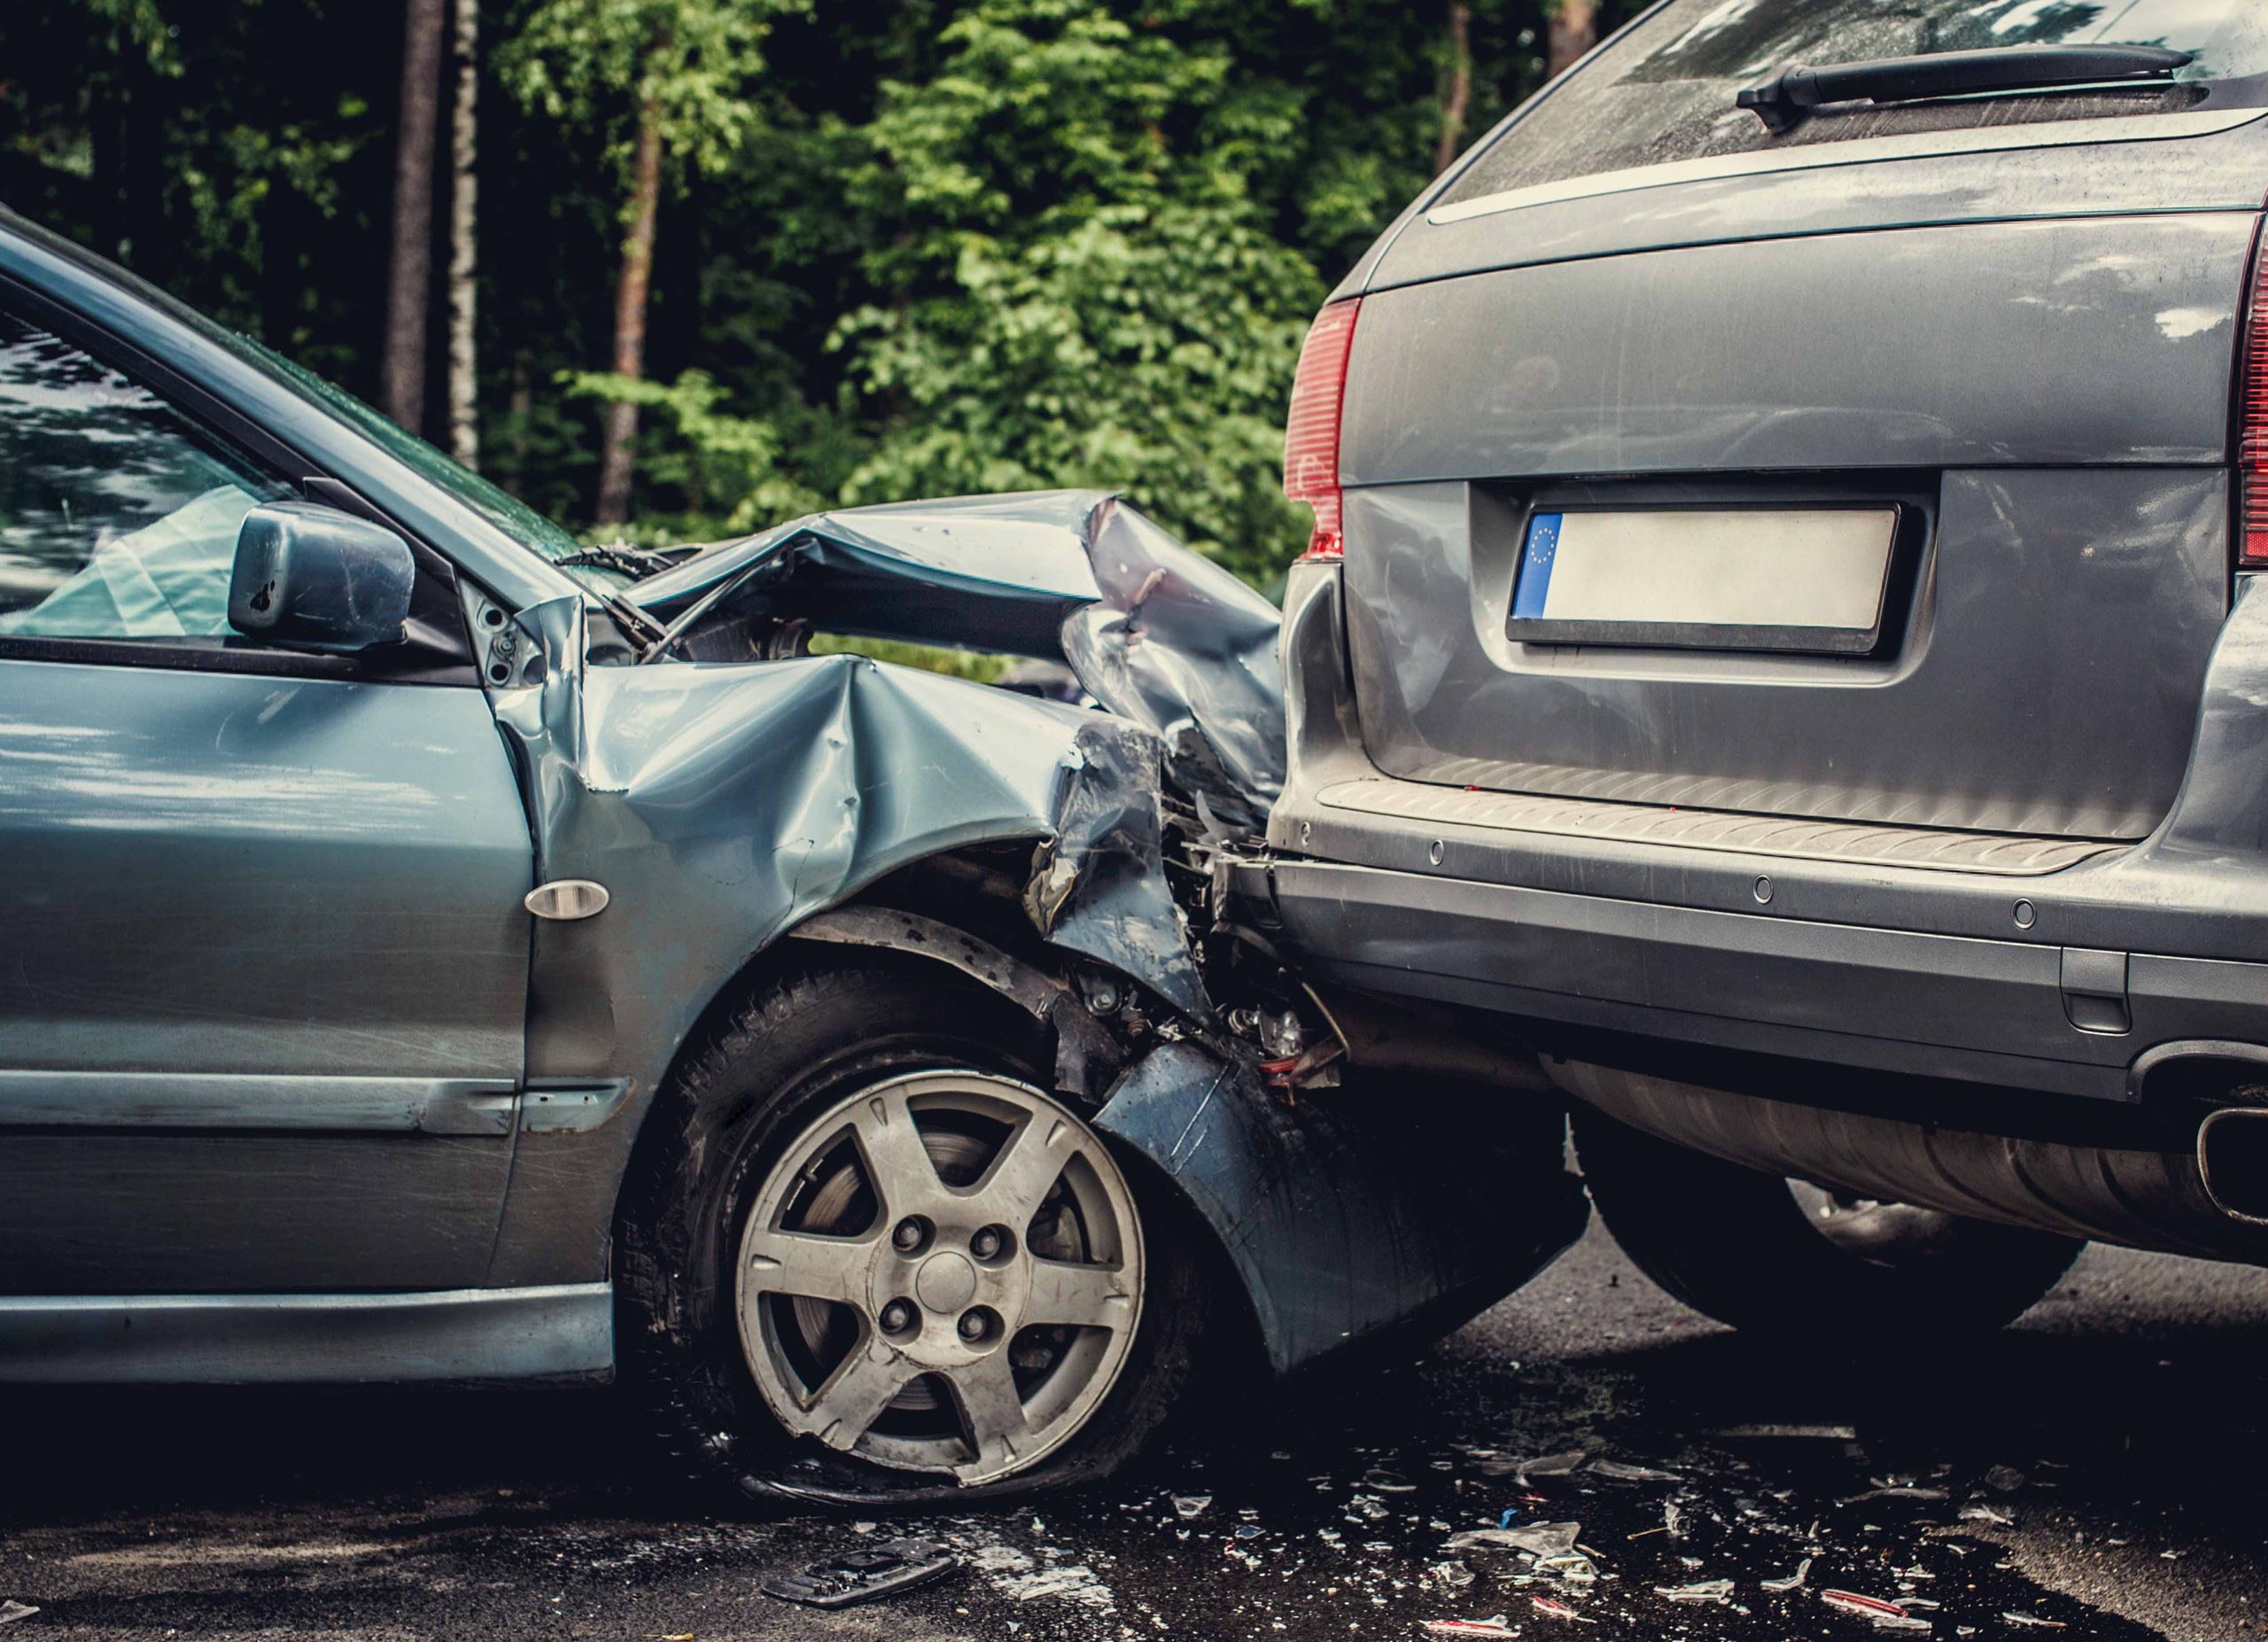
[1156, 632]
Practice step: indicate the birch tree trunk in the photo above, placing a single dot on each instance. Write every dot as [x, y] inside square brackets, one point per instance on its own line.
[630, 317]
[1456, 97]
[464, 136]
[403, 380]
[1574, 30]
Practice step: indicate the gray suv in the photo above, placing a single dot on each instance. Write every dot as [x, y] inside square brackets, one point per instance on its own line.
[1781, 661]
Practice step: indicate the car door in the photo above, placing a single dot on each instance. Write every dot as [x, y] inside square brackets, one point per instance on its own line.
[262, 951]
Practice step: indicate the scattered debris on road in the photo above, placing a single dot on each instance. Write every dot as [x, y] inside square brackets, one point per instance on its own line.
[1884, 1615]
[1792, 1582]
[1718, 1591]
[864, 1574]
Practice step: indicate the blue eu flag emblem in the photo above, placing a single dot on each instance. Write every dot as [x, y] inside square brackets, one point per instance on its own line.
[1535, 566]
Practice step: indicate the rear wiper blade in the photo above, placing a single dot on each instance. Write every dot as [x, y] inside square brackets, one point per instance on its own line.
[1790, 96]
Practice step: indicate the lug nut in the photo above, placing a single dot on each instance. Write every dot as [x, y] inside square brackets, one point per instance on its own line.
[907, 1237]
[986, 1244]
[896, 1317]
[973, 1325]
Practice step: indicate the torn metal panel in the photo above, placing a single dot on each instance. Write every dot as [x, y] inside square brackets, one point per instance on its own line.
[1098, 885]
[1356, 1212]
[1086, 1057]
[1155, 632]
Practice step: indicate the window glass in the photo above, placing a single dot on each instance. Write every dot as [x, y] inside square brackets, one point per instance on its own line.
[1664, 90]
[118, 519]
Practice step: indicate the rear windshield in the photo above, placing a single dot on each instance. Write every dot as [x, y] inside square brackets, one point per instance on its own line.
[1664, 90]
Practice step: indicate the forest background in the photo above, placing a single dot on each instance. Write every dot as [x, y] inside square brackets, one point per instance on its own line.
[676, 270]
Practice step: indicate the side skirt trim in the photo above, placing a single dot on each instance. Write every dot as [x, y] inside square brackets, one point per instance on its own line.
[563, 1330]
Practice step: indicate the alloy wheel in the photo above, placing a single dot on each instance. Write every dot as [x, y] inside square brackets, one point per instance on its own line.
[941, 1273]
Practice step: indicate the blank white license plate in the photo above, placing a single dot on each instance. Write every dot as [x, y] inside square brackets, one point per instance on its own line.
[1801, 578]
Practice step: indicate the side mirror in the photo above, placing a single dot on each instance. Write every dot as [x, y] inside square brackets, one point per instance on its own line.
[309, 576]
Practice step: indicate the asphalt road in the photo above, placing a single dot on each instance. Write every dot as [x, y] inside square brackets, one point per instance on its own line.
[2130, 1412]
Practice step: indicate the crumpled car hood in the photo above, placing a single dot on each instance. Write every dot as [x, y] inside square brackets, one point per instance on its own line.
[1154, 631]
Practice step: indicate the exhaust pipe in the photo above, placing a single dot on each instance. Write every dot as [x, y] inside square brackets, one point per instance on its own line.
[2232, 1162]
[2208, 1199]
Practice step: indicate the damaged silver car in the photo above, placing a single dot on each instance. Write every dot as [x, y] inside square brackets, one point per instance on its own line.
[443, 952]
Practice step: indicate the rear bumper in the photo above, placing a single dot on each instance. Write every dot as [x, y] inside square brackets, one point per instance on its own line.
[2074, 981]
[1996, 1013]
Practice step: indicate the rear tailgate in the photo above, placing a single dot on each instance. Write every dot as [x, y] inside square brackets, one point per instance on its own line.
[2012, 347]
[2046, 404]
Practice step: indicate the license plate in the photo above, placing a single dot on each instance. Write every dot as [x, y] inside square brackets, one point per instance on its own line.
[1793, 579]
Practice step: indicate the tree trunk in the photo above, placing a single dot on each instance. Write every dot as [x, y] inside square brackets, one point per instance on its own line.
[403, 390]
[464, 379]
[1574, 30]
[1457, 96]
[630, 318]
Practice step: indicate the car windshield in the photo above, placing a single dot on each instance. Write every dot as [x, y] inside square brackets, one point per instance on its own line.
[1663, 92]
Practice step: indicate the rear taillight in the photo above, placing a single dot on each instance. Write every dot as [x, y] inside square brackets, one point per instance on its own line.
[1311, 430]
[2252, 427]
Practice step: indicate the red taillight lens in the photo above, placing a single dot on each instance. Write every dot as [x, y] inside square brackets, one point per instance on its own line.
[1311, 430]
[2252, 427]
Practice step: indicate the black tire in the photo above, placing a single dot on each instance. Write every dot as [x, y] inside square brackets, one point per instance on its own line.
[803, 1043]
[1734, 1244]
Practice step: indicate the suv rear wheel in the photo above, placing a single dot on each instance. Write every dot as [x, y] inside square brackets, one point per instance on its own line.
[867, 1259]
[1742, 1246]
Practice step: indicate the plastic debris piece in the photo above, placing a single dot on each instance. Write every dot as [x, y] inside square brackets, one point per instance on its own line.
[1550, 1465]
[1537, 1539]
[10, 1612]
[1671, 1518]
[1455, 1575]
[1550, 1609]
[1987, 1514]
[1615, 1471]
[1505, 1521]
[1495, 1626]
[1843, 1433]
[2004, 1479]
[1699, 1591]
[1900, 1491]
[2033, 1621]
[1249, 1531]
[1389, 1481]
[1185, 1505]
[865, 1575]
[1574, 1570]
[1884, 1615]
[1793, 1582]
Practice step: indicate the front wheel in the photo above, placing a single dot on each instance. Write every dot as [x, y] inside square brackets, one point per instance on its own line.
[1766, 1254]
[868, 1258]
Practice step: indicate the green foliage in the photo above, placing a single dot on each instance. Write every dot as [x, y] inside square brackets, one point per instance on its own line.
[979, 665]
[727, 468]
[913, 246]
[596, 63]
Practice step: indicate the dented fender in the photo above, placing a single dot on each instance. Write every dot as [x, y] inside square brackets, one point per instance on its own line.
[722, 806]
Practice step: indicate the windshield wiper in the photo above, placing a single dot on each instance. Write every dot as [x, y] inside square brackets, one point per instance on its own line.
[1790, 96]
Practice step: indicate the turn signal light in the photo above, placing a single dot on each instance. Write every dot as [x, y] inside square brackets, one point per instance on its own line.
[1311, 430]
[2252, 427]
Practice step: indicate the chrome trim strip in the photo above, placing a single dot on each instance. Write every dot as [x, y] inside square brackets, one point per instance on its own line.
[1790, 837]
[76, 1100]
[464, 1333]
[1865, 151]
